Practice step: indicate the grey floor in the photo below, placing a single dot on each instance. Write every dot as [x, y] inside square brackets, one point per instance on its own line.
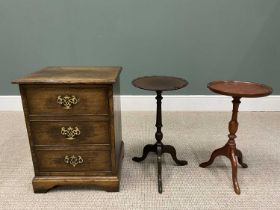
[194, 134]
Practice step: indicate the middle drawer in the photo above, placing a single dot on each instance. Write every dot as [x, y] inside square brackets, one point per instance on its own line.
[67, 133]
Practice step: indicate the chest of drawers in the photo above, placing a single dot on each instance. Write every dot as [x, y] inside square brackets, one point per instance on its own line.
[73, 119]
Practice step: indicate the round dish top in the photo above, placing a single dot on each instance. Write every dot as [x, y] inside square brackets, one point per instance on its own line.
[239, 88]
[159, 83]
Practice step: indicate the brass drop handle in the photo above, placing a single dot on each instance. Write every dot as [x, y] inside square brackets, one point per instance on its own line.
[70, 132]
[73, 160]
[67, 101]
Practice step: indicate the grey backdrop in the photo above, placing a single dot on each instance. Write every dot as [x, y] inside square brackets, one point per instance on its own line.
[200, 40]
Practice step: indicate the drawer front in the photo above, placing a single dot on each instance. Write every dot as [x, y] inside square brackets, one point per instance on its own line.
[67, 133]
[73, 160]
[70, 100]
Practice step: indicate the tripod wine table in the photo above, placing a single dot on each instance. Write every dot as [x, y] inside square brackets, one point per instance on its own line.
[237, 90]
[159, 84]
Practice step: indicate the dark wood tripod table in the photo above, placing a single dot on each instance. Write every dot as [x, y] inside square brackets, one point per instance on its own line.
[237, 90]
[159, 84]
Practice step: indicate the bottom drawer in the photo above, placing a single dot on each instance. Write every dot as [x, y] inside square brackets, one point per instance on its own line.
[73, 160]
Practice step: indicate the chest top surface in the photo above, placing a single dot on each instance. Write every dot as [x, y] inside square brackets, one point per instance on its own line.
[72, 75]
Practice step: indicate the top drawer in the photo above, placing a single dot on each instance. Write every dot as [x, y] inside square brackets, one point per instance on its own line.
[66, 100]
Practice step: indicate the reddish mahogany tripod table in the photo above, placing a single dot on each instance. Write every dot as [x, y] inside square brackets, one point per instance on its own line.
[159, 84]
[237, 90]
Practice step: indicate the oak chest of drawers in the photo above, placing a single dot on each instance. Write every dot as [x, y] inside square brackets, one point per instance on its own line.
[73, 119]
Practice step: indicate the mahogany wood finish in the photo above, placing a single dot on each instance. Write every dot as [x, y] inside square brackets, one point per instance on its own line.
[236, 89]
[159, 84]
[75, 143]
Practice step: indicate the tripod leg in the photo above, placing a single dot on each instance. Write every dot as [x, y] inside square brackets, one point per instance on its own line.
[148, 148]
[159, 153]
[217, 152]
[171, 150]
[234, 172]
[240, 158]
